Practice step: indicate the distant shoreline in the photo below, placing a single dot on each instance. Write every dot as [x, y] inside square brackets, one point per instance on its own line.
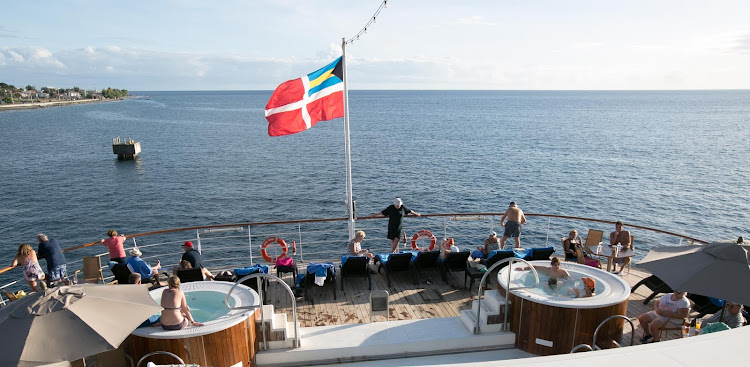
[27, 106]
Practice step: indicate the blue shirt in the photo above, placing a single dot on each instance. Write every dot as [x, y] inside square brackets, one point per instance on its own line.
[137, 265]
[50, 251]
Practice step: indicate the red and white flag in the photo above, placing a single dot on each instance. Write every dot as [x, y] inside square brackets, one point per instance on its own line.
[297, 105]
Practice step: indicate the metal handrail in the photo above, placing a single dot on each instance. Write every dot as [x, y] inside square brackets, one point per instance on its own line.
[156, 353]
[632, 327]
[480, 292]
[295, 342]
[579, 346]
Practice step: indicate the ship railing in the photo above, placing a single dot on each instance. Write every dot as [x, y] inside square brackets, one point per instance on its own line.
[226, 246]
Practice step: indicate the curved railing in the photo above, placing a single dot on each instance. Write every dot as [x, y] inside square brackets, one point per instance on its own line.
[218, 241]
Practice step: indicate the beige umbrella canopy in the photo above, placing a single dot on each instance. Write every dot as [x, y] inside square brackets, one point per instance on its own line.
[71, 322]
[719, 270]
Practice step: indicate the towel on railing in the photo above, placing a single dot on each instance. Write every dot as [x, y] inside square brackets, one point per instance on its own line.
[321, 271]
[241, 272]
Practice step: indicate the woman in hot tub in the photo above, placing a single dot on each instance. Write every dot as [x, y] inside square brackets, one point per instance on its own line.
[553, 271]
[176, 314]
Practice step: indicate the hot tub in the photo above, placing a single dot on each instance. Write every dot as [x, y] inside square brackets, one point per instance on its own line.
[227, 338]
[549, 320]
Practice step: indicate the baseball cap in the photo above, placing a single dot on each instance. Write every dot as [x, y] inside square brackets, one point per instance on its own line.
[187, 244]
[590, 282]
[398, 201]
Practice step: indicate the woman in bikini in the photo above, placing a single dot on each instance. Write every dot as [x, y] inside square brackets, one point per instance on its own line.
[32, 272]
[176, 314]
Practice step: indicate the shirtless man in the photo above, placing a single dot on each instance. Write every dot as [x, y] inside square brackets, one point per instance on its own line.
[515, 218]
[553, 271]
[621, 237]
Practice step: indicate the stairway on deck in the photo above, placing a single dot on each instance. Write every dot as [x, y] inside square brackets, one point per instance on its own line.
[491, 315]
[278, 331]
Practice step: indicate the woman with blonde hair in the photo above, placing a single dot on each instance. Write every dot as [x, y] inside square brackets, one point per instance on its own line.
[176, 313]
[32, 272]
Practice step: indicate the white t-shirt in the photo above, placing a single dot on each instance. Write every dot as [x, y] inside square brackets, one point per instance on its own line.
[667, 304]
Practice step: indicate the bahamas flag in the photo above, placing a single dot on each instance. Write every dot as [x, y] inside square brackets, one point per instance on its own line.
[297, 105]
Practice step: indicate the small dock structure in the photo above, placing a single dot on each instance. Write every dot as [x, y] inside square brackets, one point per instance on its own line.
[125, 148]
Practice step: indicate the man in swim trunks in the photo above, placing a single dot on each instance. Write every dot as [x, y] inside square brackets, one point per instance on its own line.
[515, 218]
[553, 270]
[621, 237]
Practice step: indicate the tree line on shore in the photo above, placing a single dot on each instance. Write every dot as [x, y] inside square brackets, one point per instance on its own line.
[11, 94]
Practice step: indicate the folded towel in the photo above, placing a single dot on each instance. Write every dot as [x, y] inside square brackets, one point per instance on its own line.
[241, 272]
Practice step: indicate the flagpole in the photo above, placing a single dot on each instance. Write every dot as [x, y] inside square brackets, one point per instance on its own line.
[347, 145]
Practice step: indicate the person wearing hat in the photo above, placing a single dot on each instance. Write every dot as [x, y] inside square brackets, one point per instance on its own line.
[192, 255]
[138, 265]
[589, 287]
[515, 218]
[492, 243]
[395, 214]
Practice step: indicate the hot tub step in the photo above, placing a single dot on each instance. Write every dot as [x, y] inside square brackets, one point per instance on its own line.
[494, 300]
[469, 319]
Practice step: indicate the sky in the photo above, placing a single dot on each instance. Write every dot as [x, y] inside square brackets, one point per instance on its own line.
[413, 44]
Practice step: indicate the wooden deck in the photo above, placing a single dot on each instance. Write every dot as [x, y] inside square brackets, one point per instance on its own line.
[416, 301]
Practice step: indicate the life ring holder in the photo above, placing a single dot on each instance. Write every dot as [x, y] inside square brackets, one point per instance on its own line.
[267, 242]
[422, 234]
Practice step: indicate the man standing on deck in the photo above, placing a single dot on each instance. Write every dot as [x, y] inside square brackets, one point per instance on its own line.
[192, 255]
[395, 214]
[515, 218]
[50, 251]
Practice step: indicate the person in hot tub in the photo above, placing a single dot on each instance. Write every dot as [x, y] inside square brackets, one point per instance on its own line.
[176, 314]
[589, 285]
[553, 271]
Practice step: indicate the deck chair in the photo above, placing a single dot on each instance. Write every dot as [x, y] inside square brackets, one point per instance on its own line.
[593, 239]
[355, 266]
[396, 262]
[582, 258]
[702, 305]
[10, 296]
[190, 275]
[655, 284]
[121, 273]
[423, 260]
[496, 256]
[674, 324]
[541, 253]
[92, 270]
[454, 262]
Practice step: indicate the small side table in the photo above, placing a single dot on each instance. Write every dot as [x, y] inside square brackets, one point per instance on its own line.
[281, 270]
[472, 273]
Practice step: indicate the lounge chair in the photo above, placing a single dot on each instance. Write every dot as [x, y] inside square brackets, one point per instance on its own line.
[655, 284]
[496, 256]
[328, 269]
[254, 283]
[455, 261]
[395, 263]
[92, 270]
[541, 253]
[355, 266]
[703, 305]
[190, 275]
[121, 273]
[423, 260]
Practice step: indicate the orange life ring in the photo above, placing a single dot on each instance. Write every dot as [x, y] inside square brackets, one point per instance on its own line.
[421, 234]
[269, 241]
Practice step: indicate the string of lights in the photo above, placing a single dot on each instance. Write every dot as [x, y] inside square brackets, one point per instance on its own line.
[370, 22]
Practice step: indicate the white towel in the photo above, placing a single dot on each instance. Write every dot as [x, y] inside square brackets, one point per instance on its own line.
[320, 280]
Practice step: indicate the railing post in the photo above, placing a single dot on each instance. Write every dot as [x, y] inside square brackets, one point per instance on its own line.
[250, 244]
[198, 236]
[299, 231]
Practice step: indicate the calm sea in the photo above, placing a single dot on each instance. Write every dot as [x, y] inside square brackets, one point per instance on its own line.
[675, 160]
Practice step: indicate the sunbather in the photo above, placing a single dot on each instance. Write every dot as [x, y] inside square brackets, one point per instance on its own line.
[184, 264]
[355, 245]
[492, 243]
[570, 243]
[446, 247]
